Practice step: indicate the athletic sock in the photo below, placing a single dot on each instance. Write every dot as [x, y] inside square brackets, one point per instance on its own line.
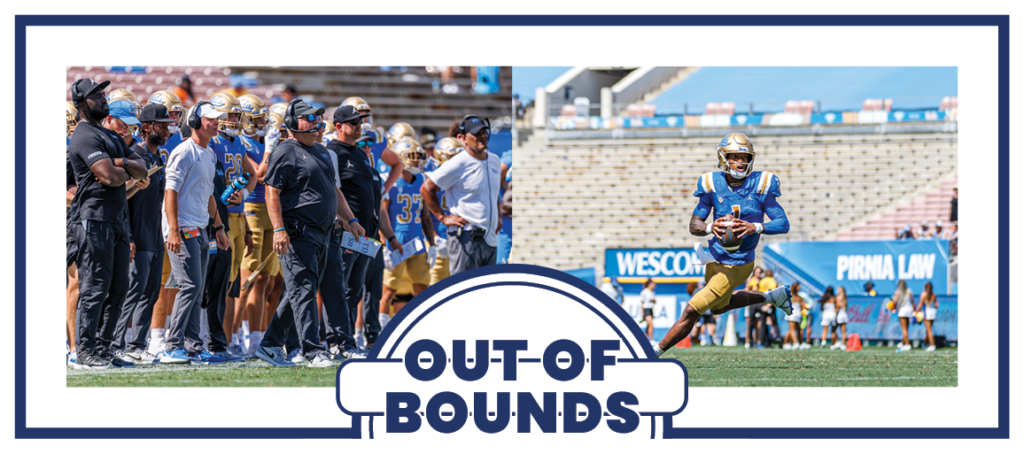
[156, 340]
[658, 351]
[255, 337]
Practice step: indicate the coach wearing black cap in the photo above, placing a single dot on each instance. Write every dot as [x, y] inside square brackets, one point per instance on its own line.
[361, 184]
[472, 182]
[303, 203]
[102, 165]
[144, 214]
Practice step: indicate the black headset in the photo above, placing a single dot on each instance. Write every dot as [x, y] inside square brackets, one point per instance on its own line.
[291, 122]
[462, 123]
[194, 122]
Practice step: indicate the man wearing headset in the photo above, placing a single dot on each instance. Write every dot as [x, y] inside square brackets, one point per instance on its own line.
[303, 203]
[472, 182]
[189, 205]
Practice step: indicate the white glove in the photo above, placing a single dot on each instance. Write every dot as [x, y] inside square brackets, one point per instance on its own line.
[703, 256]
[441, 244]
[387, 260]
[431, 256]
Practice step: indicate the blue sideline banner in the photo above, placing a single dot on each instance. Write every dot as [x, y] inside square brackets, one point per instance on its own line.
[850, 264]
[652, 263]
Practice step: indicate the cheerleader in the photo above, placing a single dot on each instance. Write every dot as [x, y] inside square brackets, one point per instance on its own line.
[903, 300]
[930, 304]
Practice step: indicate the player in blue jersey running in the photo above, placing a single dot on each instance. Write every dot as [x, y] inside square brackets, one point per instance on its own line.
[753, 195]
[410, 222]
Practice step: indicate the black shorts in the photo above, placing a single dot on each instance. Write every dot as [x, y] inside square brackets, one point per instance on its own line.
[648, 313]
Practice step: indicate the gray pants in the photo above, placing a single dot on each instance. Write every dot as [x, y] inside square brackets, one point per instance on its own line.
[143, 291]
[468, 251]
[188, 269]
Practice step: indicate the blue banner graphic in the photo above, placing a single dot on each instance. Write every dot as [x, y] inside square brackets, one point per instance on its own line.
[850, 264]
[652, 263]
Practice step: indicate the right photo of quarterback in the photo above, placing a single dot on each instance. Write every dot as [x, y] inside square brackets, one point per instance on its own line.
[799, 223]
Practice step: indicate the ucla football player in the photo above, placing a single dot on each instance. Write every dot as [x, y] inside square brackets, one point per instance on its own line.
[404, 207]
[443, 151]
[385, 160]
[735, 188]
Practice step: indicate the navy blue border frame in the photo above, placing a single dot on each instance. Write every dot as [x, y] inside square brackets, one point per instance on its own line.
[1002, 23]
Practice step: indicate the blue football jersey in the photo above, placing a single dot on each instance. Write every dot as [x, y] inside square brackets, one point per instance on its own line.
[756, 197]
[166, 149]
[254, 149]
[405, 205]
[230, 153]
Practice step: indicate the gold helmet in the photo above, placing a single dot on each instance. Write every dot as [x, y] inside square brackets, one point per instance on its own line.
[275, 120]
[72, 114]
[399, 131]
[362, 107]
[123, 93]
[279, 108]
[329, 128]
[175, 109]
[228, 103]
[732, 144]
[411, 153]
[446, 148]
[254, 115]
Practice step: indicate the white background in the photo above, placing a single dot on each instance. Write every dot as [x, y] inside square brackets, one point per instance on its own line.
[971, 404]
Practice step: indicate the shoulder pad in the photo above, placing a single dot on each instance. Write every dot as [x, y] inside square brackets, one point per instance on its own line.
[769, 183]
[705, 184]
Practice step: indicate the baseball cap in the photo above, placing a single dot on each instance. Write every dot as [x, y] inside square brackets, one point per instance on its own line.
[155, 113]
[209, 111]
[473, 125]
[82, 88]
[124, 110]
[303, 108]
[345, 114]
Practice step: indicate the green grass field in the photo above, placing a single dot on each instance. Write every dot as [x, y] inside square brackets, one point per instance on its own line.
[708, 366]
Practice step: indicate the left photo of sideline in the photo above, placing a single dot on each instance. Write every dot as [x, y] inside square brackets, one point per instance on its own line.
[257, 226]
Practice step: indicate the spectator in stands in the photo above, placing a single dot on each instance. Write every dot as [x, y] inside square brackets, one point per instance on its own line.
[906, 234]
[238, 88]
[793, 338]
[923, 233]
[184, 91]
[749, 312]
[930, 305]
[941, 234]
[952, 204]
[903, 304]
[647, 302]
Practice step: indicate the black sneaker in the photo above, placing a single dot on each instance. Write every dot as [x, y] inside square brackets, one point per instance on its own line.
[117, 359]
[87, 361]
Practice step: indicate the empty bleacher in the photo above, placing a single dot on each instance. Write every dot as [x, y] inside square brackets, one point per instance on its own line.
[932, 206]
[577, 197]
[205, 80]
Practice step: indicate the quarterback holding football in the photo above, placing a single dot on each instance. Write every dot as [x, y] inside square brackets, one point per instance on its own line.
[740, 199]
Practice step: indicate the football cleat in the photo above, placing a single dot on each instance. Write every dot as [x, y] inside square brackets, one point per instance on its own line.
[732, 144]
[781, 298]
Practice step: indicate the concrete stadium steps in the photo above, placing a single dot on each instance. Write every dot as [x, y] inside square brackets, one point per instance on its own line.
[577, 197]
[395, 96]
[931, 206]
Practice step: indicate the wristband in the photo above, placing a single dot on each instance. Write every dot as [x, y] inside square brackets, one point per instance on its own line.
[350, 221]
[218, 228]
[758, 227]
[279, 230]
[391, 238]
[709, 230]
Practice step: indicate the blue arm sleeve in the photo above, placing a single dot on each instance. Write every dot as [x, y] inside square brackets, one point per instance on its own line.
[779, 223]
[704, 206]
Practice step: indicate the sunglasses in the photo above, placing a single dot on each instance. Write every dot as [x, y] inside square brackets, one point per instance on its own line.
[353, 123]
[364, 143]
[311, 118]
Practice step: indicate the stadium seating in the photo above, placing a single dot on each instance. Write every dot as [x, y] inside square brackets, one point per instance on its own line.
[931, 207]
[583, 196]
[409, 94]
[205, 79]
[767, 89]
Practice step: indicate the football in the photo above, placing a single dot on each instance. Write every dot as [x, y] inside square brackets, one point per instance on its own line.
[729, 239]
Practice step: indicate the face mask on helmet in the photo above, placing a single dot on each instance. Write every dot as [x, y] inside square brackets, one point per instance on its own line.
[446, 148]
[232, 125]
[411, 154]
[736, 144]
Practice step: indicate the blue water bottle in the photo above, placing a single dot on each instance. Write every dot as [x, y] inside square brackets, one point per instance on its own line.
[235, 185]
